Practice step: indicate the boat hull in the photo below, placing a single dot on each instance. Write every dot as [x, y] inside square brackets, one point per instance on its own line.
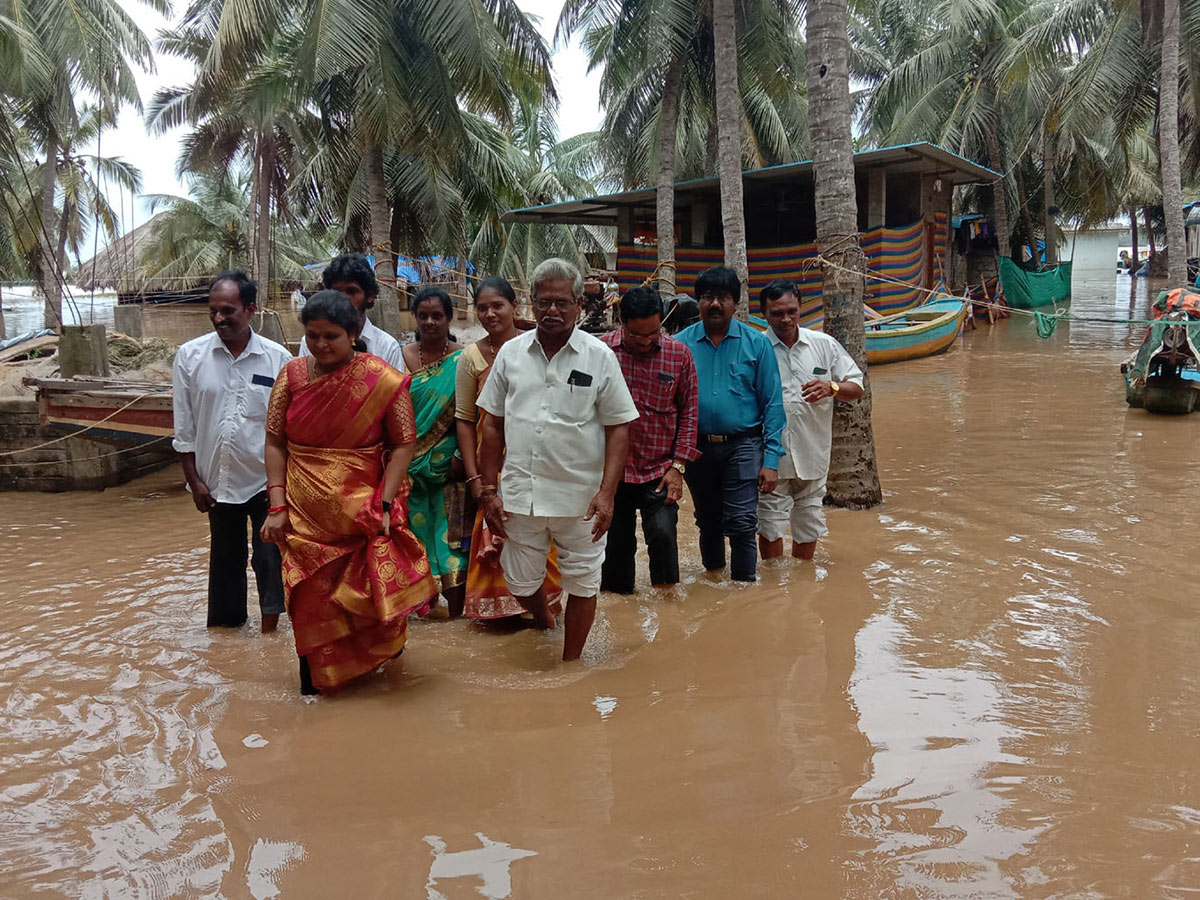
[123, 413]
[923, 331]
[937, 334]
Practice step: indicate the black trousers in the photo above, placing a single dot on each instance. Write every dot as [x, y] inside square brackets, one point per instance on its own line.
[227, 563]
[659, 519]
[724, 487]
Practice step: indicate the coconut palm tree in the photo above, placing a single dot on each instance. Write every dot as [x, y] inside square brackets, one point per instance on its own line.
[253, 112]
[973, 78]
[659, 92]
[87, 46]
[853, 472]
[195, 237]
[1168, 143]
[729, 147]
[547, 170]
[404, 74]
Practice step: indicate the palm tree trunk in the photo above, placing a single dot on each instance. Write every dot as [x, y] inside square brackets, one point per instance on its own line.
[60, 252]
[1026, 215]
[1168, 146]
[729, 146]
[1048, 197]
[381, 238]
[999, 191]
[52, 316]
[1149, 231]
[853, 471]
[256, 168]
[668, 124]
[262, 223]
[1133, 234]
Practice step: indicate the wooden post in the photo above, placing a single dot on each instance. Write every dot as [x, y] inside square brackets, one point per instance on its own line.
[877, 198]
[83, 350]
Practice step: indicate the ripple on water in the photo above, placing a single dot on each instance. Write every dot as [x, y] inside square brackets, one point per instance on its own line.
[120, 726]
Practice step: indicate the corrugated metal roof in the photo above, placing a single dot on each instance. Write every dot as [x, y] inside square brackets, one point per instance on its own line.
[923, 158]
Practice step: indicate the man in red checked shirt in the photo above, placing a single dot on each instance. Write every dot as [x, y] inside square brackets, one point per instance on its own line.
[662, 441]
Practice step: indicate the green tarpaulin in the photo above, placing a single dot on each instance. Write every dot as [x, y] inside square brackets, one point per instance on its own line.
[1024, 289]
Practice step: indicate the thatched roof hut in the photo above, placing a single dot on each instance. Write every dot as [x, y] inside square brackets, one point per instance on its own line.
[113, 267]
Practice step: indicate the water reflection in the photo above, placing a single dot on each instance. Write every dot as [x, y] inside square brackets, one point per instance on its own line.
[490, 864]
[931, 810]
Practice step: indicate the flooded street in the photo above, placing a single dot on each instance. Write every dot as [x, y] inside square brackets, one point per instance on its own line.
[987, 688]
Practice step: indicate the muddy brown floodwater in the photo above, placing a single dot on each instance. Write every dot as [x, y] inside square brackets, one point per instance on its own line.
[986, 688]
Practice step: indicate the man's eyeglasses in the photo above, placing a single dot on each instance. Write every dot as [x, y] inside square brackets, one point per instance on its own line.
[714, 298]
[543, 305]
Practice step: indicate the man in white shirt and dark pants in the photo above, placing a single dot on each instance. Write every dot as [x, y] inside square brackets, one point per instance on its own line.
[560, 407]
[222, 385]
[351, 273]
[814, 370]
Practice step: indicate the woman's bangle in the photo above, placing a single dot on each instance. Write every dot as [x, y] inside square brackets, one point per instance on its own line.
[269, 486]
[487, 489]
[276, 509]
[473, 478]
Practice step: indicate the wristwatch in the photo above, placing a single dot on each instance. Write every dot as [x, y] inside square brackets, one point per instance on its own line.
[835, 387]
[678, 467]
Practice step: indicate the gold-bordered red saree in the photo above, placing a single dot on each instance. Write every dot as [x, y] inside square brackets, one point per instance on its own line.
[349, 589]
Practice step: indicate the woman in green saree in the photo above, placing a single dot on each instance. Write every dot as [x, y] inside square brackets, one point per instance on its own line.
[437, 496]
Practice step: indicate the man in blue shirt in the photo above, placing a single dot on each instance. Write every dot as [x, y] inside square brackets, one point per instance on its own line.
[741, 419]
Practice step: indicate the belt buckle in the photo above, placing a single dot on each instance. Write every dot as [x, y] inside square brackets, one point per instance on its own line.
[716, 438]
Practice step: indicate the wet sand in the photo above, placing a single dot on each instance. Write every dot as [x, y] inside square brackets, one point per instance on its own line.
[986, 688]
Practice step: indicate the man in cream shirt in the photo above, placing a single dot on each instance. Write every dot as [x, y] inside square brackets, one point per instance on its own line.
[814, 370]
[561, 409]
[222, 382]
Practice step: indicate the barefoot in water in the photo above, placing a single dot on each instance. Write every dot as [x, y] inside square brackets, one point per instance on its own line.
[270, 621]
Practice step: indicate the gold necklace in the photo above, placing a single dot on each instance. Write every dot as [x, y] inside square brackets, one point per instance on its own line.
[421, 354]
[496, 349]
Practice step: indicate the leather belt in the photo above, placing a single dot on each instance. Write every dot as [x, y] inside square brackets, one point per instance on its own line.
[723, 438]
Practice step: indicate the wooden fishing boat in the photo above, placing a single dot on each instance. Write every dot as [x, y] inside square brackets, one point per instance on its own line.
[924, 331]
[122, 412]
[1163, 374]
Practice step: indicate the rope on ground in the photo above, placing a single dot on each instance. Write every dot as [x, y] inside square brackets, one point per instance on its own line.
[56, 462]
[59, 440]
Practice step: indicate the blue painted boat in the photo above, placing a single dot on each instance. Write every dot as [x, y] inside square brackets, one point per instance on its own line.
[923, 331]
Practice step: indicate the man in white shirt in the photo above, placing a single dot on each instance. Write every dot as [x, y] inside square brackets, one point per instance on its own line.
[814, 370]
[560, 407]
[222, 384]
[351, 273]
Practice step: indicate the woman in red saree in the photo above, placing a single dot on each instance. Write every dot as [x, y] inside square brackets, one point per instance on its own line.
[352, 570]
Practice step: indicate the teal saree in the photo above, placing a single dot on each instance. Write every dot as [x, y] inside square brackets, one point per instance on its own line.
[435, 503]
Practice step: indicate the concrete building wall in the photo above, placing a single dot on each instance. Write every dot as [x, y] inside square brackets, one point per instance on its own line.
[1095, 250]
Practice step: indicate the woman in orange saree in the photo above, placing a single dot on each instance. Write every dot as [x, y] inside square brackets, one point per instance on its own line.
[488, 596]
[352, 570]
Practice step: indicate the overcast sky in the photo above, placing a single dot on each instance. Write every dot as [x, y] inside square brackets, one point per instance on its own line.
[155, 156]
